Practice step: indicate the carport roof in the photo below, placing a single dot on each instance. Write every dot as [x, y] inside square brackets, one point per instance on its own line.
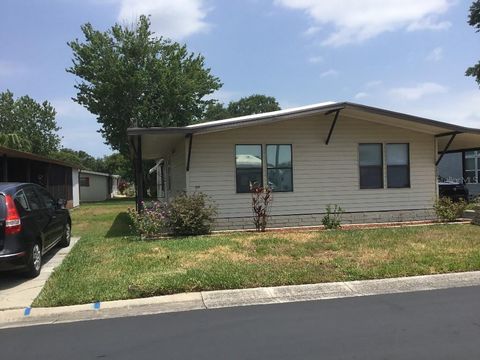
[465, 138]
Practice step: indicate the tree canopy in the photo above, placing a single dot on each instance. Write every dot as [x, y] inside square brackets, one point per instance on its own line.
[474, 20]
[27, 125]
[130, 77]
[254, 104]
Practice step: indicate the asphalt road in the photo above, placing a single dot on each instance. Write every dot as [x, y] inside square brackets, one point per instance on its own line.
[443, 324]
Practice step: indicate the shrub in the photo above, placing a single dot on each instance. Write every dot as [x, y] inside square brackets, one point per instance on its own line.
[261, 200]
[151, 221]
[190, 214]
[122, 186]
[332, 218]
[448, 210]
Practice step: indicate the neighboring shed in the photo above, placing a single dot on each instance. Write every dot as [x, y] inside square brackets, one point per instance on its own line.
[60, 178]
[97, 186]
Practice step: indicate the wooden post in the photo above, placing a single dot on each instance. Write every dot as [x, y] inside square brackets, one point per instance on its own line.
[139, 172]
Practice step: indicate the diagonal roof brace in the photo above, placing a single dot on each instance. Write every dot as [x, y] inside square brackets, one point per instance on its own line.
[453, 135]
[334, 122]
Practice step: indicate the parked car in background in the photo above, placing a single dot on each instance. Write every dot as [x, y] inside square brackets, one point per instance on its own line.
[32, 222]
[453, 190]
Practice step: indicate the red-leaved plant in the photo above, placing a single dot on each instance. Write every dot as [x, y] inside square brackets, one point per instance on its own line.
[261, 200]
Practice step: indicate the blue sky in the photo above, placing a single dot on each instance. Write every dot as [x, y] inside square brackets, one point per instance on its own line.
[404, 55]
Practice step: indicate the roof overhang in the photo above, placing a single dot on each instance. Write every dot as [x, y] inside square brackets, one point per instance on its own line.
[157, 142]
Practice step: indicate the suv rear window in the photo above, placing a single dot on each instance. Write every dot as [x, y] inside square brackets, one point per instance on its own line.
[21, 199]
[32, 198]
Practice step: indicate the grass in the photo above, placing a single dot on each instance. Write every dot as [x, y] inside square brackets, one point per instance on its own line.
[109, 263]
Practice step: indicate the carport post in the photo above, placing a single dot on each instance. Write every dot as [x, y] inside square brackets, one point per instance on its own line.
[139, 174]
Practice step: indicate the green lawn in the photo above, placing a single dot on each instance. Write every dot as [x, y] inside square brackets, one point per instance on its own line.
[109, 263]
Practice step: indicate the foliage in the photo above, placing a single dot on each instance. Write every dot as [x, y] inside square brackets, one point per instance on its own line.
[130, 77]
[261, 201]
[191, 214]
[29, 126]
[474, 20]
[332, 218]
[15, 141]
[254, 104]
[123, 186]
[151, 221]
[184, 215]
[448, 210]
[79, 158]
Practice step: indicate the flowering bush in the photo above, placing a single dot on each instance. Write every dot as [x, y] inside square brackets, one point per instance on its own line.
[152, 221]
[448, 210]
[192, 214]
[122, 186]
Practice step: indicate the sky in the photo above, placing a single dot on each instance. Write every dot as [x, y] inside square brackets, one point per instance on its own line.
[403, 55]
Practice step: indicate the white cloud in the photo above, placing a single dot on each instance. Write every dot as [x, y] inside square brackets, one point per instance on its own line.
[315, 59]
[8, 68]
[330, 72]
[312, 30]
[175, 19]
[356, 21]
[361, 95]
[418, 91]
[435, 55]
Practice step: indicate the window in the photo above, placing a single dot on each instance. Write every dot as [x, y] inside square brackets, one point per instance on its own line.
[46, 198]
[22, 200]
[472, 167]
[279, 167]
[371, 166]
[32, 198]
[84, 181]
[248, 164]
[398, 166]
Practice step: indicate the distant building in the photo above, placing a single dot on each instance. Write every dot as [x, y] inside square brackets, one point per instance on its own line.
[462, 167]
[58, 177]
[97, 186]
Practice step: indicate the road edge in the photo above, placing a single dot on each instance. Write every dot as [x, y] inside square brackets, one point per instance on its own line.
[206, 300]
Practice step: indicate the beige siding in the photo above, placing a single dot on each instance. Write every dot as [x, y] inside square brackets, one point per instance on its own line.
[176, 166]
[322, 174]
[97, 189]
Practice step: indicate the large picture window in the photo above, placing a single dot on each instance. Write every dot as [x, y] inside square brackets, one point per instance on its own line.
[248, 164]
[398, 166]
[472, 167]
[371, 166]
[279, 167]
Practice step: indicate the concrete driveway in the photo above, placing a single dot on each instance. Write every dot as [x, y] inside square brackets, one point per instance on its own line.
[16, 292]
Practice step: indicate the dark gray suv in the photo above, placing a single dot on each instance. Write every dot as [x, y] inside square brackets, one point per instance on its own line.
[32, 222]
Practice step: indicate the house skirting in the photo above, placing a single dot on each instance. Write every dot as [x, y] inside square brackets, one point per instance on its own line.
[234, 223]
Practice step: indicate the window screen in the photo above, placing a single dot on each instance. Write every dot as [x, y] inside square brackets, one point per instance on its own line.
[371, 166]
[248, 164]
[398, 166]
[279, 167]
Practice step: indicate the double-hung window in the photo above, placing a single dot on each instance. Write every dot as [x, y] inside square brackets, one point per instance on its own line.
[248, 164]
[472, 167]
[279, 167]
[398, 166]
[371, 166]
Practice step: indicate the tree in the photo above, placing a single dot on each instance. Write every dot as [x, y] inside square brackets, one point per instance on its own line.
[79, 158]
[254, 104]
[27, 125]
[117, 164]
[129, 77]
[474, 20]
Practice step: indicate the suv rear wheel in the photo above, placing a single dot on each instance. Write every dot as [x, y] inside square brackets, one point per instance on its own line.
[34, 263]
[67, 234]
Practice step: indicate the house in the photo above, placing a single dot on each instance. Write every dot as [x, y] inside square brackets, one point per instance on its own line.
[378, 165]
[60, 178]
[462, 167]
[97, 186]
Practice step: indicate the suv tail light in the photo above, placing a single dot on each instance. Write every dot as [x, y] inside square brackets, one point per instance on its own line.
[13, 224]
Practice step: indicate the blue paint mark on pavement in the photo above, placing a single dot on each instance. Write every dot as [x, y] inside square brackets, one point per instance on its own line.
[96, 305]
[27, 310]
